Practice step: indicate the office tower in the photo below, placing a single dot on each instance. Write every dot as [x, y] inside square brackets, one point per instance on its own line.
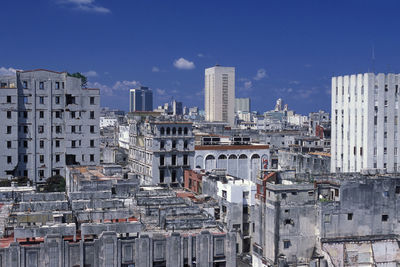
[140, 99]
[242, 104]
[177, 108]
[220, 94]
[365, 122]
[48, 121]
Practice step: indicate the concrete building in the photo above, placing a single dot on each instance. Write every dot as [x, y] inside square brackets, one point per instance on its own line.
[238, 156]
[342, 220]
[242, 104]
[160, 151]
[49, 121]
[365, 122]
[177, 108]
[140, 99]
[108, 122]
[123, 136]
[220, 94]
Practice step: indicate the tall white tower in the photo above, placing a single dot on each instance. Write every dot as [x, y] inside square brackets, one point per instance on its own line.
[220, 94]
[365, 122]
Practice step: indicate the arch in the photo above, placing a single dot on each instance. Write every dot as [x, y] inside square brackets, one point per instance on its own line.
[210, 162]
[168, 131]
[255, 166]
[185, 131]
[162, 131]
[232, 157]
[173, 130]
[255, 156]
[243, 167]
[222, 162]
[179, 131]
[199, 162]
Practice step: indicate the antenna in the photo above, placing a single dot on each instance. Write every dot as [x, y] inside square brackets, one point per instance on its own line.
[373, 58]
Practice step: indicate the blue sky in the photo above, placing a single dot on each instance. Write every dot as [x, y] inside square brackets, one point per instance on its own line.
[286, 49]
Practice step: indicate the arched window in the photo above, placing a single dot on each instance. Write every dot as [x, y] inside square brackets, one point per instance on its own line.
[210, 157]
[185, 144]
[162, 130]
[243, 156]
[179, 130]
[222, 157]
[185, 131]
[168, 131]
[255, 156]
[232, 157]
[173, 144]
[174, 131]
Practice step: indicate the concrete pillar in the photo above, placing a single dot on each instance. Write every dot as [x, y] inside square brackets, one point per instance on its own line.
[203, 249]
[142, 249]
[174, 251]
[14, 255]
[230, 249]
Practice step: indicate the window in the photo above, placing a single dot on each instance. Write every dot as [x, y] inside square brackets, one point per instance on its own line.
[185, 131]
[327, 218]
[162, 131]
[385, 119]
[25, 84]
[161, 176]
[185, 144]
[41, 99]
[8, 114]
[73, 143]
[8, 144]
[58, 129]
[57, 100]
[375, 120]
[386, 103]
[25, 114]
[9, 159]
[223, 209]
[173, 176]
[9, 128]
[385, 135]
[57, 85]
[397, 190]
[41, 173]
[168, 130]
[179, 131]
[58, 114]
[57, 157]
[63, 85]
[385, 218]
[91, 128]
[92, 100]
[41, 158]
[72, 114]
[40, 129]
[162, 144]
[8, 99]
[25, 144]
[73, 129]
[286, 244]
[57, 143]
[41, 144]
[173, 144]
[92, 143]
[91, 115]
[25, 158]
[349, 216]
[41, 114]
[91, 157]
[161, 160]
[224, 194]
[174, 131]
[385, 150]
[185, 160]
[25, 99]
[41, 85]
[173, 160]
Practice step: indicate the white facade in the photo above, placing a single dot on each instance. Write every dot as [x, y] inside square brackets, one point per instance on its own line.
[235, 189]
[242, 104]
[365, 124]
[123, 136]
[48, 121]
[108, 121]
[220, 94]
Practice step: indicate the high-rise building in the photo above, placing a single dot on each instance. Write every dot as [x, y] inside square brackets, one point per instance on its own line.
[177, 108]
[365, 122]
[140, 99]
[242, 104]
[48, 121]
[220, 94]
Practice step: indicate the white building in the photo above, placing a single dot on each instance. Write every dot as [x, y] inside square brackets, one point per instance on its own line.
[123, 136]
[108, 121]
[220, 94]
[48, 121]
[365, 122]
[242, 104]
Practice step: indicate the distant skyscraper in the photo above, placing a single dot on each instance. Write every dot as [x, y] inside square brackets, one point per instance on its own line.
[177, 108]
[220, 94]
[242, 104]
[365, 122]
[141, 99]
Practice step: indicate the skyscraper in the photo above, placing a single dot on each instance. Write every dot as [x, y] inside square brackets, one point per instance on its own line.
[242, 104]
[140, 99]
[220, 94]
[365, 122]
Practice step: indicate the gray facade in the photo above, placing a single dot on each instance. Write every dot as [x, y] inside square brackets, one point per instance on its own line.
[49, 121]
[160, 151]
[141, 99]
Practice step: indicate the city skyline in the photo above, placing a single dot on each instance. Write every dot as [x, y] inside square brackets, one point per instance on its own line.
[287, 51]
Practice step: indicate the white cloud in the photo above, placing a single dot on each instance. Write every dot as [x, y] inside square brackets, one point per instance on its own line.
[248, 85]
[85, 5]
[261, 74]
[184, 64]
[294, 82]
[90, 73]
[7, 71]
[118, 87]
[155, 69]
[200, 55]
[160, 91]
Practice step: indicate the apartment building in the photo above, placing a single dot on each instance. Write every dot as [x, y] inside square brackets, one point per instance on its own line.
[365, 127]
[48, 121]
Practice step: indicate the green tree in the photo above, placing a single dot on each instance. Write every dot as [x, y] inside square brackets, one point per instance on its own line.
[55, 183]
[80, 76]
